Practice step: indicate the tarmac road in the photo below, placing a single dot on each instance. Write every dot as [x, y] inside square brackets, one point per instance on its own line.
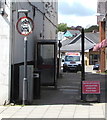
[69, 88]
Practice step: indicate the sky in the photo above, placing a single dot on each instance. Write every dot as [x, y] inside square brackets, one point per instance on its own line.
[77, 12]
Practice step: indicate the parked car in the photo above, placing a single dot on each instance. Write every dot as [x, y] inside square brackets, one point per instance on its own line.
[96, 67]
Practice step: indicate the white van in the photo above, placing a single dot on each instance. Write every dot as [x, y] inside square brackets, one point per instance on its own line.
[72, 62]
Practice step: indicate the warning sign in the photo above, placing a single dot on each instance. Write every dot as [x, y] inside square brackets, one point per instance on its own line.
[25, 25]
[91, 87]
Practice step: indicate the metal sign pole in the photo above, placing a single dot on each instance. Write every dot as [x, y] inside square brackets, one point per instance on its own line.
[59, 61]
[25, 27]
[25, 83]
[83, 66]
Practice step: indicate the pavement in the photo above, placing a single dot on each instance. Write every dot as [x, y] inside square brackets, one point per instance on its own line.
[89, 111]
[63, 102]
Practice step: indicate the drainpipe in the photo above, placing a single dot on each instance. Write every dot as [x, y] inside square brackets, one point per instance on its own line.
[102, 51]
[43, 25]
[10, 48]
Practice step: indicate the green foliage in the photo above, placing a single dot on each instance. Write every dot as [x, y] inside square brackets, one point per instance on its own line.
[93, 27]
[62, 27]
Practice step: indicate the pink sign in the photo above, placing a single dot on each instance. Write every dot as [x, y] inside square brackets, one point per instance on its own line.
[91, 87]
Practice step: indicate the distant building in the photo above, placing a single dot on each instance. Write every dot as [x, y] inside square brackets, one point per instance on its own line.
[68, 34]
[74, 45]
[102, 21]
[65, 37]
[71, 33]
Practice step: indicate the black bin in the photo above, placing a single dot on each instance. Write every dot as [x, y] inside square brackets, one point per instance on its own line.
[36, 85]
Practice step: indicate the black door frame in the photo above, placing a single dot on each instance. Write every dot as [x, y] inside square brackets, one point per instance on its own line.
[48, 42]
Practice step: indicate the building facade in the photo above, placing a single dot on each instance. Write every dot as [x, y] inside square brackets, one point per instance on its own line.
[74, 45]
[102, 21]
[44, 16]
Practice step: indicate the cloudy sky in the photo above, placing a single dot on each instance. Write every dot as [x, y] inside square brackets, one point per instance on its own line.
[77, 12]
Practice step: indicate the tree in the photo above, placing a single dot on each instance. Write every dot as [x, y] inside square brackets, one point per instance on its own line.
[92, 28]
[62, 27]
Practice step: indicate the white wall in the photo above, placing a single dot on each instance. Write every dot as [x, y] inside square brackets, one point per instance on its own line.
[4, 56]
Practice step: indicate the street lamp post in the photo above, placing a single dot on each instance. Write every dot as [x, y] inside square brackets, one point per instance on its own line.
[59, 45]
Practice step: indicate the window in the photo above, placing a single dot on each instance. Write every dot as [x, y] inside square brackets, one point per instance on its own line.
[94, 58]
[72, 58]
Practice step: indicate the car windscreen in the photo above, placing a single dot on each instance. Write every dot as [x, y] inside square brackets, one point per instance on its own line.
[72, 58]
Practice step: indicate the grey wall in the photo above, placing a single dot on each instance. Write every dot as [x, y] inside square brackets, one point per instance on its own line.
[43, 24]
[11, 42]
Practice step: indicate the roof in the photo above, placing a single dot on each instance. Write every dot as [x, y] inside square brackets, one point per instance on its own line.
[68, 34]
[68, 40]
[73, 32]
[91, 39]
[93, 36]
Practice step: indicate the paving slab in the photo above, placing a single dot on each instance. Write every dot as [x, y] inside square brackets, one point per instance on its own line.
[54, 111]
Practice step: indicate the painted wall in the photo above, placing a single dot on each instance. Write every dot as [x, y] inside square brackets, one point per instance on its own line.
[5, 55]
[44, 28]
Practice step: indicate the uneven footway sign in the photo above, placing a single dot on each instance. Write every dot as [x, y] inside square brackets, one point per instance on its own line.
[91, 87]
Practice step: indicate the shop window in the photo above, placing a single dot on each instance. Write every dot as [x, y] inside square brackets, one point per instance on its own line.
[94, 58]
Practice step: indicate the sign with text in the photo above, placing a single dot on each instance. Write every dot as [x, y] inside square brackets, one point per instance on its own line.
[91, 87]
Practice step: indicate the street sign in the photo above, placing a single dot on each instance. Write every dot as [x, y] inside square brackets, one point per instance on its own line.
[25, 25]
[91, 87]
